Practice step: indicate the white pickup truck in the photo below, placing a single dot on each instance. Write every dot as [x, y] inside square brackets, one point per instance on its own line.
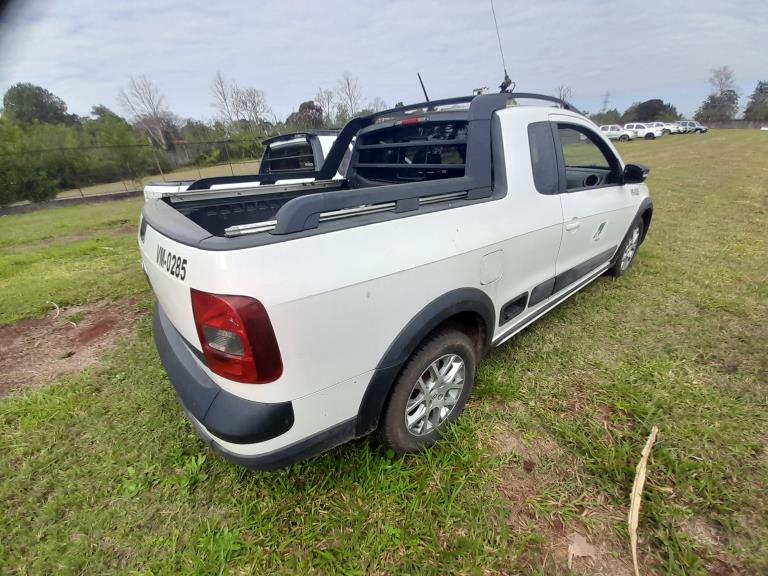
[292, 318]
[295, 152]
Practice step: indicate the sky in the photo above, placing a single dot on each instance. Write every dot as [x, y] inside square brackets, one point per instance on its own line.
[85, 50]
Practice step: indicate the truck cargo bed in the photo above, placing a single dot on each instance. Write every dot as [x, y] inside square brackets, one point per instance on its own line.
[217, 210]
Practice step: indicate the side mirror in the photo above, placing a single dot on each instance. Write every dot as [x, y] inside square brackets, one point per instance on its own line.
[635, 173]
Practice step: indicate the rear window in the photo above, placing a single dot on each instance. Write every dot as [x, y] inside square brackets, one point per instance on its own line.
[543, 157]
[289, 157]
[413, 153]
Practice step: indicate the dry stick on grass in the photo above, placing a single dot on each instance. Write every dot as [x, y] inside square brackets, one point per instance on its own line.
[637, 492]
[58, 310]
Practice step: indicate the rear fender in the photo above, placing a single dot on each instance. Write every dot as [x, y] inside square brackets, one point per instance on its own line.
[431, 316]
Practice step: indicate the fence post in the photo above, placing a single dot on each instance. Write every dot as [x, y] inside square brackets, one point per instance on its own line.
[229, 159]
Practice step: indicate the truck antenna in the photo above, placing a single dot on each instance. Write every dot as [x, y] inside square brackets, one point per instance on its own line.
[422, 86]
[504, 86]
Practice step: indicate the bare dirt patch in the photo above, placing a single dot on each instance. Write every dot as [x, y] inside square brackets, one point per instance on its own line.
[37, 352]
[542, 484]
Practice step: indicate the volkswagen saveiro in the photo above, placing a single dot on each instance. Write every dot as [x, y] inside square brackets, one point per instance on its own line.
[293, 317]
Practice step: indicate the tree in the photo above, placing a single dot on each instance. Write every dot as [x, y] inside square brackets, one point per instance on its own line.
[564, 92]
[723, 102]
[146, 108]
[101, 112]
[309, 115]
[606, 117]
[722, 79]
[377, 105]
[253, 107]
[757, 107]
[224, 99]
[718, 107]
[118, 153]
[653, 110]
[326, 99]
[27, 103]
[349, 98]
[240, 109]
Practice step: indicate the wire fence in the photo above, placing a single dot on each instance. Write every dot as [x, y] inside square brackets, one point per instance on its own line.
[108, 169]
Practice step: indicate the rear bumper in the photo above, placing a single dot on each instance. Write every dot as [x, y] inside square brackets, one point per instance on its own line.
[227, 422]
[225, 415]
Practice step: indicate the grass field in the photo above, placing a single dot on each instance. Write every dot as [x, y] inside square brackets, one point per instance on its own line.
[236, 168]
[100, 473]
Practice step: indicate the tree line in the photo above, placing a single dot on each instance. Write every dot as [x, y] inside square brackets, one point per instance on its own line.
[721, 104]
[45, 149]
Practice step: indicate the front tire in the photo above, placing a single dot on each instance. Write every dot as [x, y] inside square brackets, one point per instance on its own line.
[430, 392]
[626, 253]
[650, 136]
[623, 138]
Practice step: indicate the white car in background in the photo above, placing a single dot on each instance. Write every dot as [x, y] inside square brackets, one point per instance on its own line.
[664, 128]
[693, 127]
[298, 154]
[673, 127]
[616, 132]
[644, 130]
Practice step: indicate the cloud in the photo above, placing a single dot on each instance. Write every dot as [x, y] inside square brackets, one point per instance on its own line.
[84, 50]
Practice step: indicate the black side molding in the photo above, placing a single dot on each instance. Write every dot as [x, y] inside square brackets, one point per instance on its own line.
[431, 316]
[564, 279]
[542, 292]
[226, 416]
[570, 276]
[513, 308]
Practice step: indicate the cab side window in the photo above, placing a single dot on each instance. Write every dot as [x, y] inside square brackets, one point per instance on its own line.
[589, 163]
[543, 157]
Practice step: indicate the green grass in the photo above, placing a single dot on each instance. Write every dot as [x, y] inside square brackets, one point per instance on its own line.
[61, 223]
[102, 474]
[73, 255]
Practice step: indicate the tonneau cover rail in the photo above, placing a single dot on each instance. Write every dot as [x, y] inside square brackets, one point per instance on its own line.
[269, 226]
[206, 194]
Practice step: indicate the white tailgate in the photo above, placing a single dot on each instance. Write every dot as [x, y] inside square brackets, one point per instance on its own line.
[172, 286]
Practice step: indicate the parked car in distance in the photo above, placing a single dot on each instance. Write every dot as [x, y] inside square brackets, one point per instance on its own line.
[664, 128]
[295, 152]
[292, 318]
[644, 130]
[616, 132]
[672, 127]
[693, 127]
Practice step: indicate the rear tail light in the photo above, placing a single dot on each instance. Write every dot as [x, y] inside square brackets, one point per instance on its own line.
[237, 337]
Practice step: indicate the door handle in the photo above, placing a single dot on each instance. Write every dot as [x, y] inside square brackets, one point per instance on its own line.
[573, 225]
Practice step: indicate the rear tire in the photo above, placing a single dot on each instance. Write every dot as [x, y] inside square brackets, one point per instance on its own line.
[626, 253]
[430, 392]
[650, 136]
[623, 138]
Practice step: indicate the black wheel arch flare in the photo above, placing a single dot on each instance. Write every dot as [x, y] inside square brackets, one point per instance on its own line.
[450, 304]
